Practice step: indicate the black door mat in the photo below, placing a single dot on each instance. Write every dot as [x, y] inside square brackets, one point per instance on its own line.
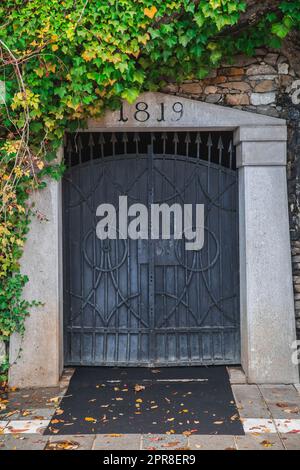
[175, 400]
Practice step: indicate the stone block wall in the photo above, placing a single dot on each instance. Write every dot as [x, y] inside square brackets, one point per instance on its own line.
[268, 83]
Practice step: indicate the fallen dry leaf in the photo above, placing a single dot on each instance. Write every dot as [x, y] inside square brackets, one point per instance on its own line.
[62, 445]
[53, 430]
[90, 419]
[139, 388]
[266, 443]
[54, 399]
[294, 410]
[234, 417]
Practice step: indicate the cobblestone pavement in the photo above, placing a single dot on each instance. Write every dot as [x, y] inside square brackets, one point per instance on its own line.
[270, 415]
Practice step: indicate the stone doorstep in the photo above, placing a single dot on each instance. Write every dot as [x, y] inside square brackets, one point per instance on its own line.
[236, 375]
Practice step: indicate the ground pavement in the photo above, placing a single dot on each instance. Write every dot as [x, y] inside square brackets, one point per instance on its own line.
[270, 415]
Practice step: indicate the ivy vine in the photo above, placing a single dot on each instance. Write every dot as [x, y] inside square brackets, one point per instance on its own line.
[64, 61]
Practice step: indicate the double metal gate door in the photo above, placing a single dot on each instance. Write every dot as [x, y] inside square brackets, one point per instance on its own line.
[150, 302]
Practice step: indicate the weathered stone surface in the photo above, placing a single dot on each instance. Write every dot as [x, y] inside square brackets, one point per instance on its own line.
[164, 442]
[118, 442]
[241, 86]
[258, 99]
[230, 71]
[217, 80]
[291, 442]
[263, 77]
[238, 99]
[260, 442]
[210, 89]
[70, 442]
[213, 98]
[191, 88]
[23, 442]
[170, 88]
[283, 68]
[236, 375]
[264, 86]
[268, 299]
[40, 362]
[241, 60]
[267, 111]
[211, 443]
[260, 70]
[250, 402]
[271, 58]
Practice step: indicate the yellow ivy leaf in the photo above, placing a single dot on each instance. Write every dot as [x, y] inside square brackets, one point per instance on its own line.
[54, 47]
[90, 420]
[39, 72]
[150, 12]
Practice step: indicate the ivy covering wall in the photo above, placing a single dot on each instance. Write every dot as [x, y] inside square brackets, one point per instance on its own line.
[64, 61]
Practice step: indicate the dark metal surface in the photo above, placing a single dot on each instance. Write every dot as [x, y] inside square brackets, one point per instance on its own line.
[146, 302]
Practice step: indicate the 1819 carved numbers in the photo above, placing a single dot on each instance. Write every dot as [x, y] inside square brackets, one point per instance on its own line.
[141, 112]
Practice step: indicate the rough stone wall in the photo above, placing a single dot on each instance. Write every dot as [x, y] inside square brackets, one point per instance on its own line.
[268, 83]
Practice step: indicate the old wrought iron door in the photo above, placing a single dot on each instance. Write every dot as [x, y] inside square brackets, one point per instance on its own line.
[150, 302]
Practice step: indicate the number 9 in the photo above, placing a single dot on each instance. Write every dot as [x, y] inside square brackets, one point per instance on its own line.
[178, 109]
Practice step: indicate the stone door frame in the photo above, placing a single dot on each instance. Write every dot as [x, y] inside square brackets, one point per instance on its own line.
[266, 288]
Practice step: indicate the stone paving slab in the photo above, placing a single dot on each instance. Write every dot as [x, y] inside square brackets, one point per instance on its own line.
[118, 442]
[250, 402]
[21, 442]
[164, 442]
[78, 442]
[33, 414]
[287, 425]
[211, 443]
[33, 398]
[26, 427]
[283, 401]
[291, 441]
[261, 442]
[3, 425]
[259, 426]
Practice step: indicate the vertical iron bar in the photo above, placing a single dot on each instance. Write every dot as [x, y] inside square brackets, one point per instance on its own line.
[101, 142]
[80, 147]
[113, 141]
[151, 256]
[198, 142]
[175, 141]
[220, 215]
[91, 146]
[230, 151]
[125, 141]
[187, 143]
